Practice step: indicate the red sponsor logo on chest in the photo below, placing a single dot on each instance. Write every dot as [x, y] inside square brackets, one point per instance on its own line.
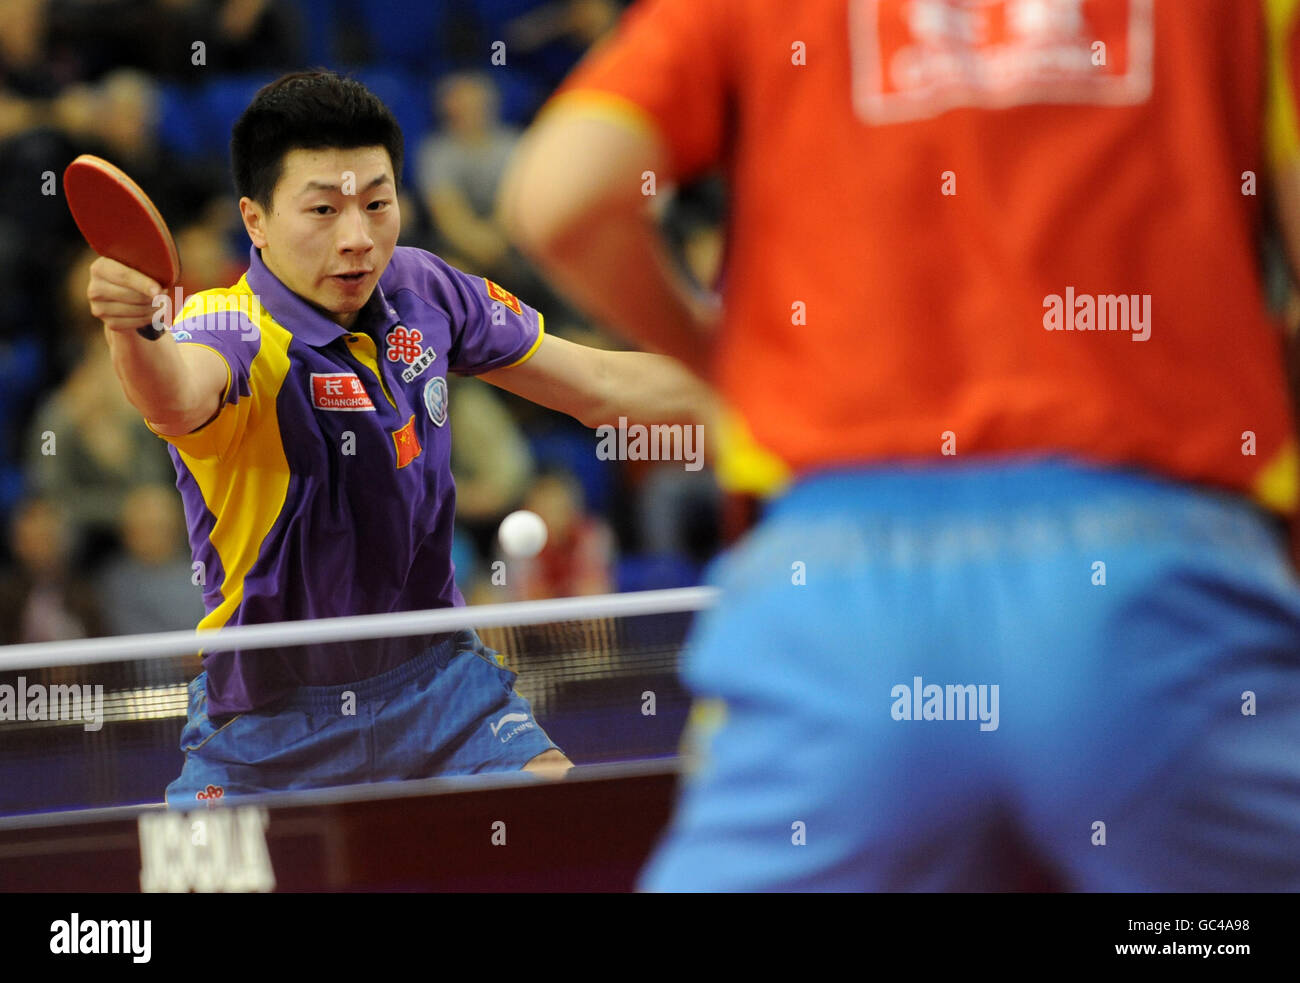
[404, 344]
[339, 391]
[408, 444]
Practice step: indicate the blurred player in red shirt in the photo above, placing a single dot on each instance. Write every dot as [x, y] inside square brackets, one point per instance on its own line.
[994, 340]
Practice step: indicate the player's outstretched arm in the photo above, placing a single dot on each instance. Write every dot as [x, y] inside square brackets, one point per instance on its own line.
[572, 200]
[177, 388]
[597, 387]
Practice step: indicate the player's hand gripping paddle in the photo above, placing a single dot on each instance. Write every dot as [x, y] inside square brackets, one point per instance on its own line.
[119, 221]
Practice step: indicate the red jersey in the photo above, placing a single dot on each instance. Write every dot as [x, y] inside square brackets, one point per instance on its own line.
[982, 227]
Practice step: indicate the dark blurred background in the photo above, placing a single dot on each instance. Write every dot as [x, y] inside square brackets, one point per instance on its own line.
[94, 538]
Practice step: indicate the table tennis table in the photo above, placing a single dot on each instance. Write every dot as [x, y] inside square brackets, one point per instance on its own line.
[591, 831]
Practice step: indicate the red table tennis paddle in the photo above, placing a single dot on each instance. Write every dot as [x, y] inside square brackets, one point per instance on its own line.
[119, 221]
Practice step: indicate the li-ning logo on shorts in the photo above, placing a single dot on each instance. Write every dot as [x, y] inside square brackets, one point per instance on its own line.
[512, 718]
[916, 59]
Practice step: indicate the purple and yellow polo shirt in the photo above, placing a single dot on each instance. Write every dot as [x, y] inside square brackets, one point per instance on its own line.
[323, 485]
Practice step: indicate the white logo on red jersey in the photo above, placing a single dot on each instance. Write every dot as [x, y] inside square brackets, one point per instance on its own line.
[339, 391]
[916, 59]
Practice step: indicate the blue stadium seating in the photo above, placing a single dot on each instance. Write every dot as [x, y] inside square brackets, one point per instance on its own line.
[21, 371]
[655, 571]
[407, 34]
[575, 450]
[196, 122]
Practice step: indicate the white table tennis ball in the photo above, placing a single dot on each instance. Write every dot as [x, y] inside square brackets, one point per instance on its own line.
[522, 534]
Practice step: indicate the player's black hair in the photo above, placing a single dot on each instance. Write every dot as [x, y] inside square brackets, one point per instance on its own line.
[311, 110]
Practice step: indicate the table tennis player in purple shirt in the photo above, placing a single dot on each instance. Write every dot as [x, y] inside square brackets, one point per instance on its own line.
[306, 411]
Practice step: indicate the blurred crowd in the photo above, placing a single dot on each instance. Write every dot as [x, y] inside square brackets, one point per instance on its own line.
[95, 538]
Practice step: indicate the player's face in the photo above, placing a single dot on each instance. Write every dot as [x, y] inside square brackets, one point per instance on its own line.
[331, 228]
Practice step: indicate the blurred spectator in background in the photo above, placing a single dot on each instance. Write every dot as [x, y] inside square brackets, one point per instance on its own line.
[578, 557]
[41, 600]
[151, 586]
[553, 36]
[87, 446]
[205, 248]
[126, 125]
[158, 36]
[460, 168]
[242, 35]
[693, 224]
[680, 512]
[490, 459]
[117, 119]
[25, 70]
[37, 140]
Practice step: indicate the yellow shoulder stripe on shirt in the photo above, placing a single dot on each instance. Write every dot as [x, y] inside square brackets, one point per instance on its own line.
[1282, 119]
[208, 440]
[246, 485]
[541, 330]
[230, 304]
[604, 105]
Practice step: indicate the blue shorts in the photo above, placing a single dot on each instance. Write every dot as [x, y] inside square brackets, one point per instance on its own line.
[1143, 637]
[450, 711]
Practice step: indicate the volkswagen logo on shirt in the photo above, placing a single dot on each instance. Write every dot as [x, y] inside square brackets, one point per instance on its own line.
[435, 400]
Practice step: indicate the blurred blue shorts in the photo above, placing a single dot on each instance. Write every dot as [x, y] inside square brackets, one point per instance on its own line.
[450, 711]
[942, 678]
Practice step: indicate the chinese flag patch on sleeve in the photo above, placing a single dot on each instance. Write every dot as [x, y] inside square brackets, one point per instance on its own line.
[503, 295]
[408, 444]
